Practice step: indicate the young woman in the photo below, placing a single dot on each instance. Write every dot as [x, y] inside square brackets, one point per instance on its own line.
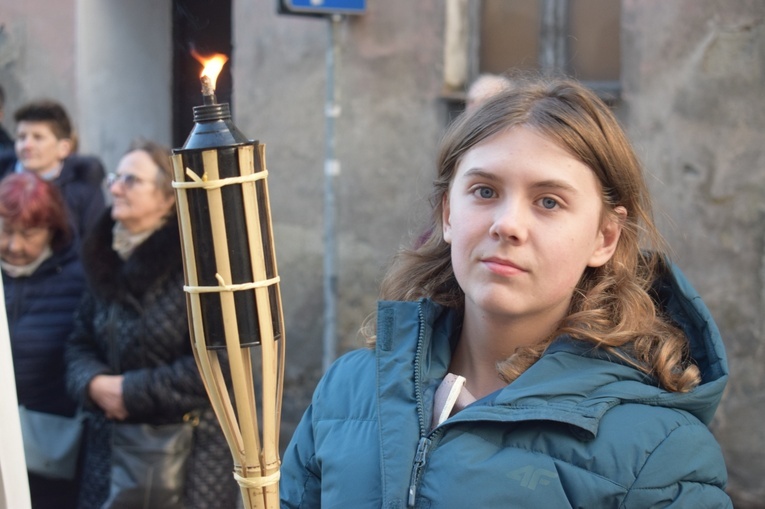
[528, 353]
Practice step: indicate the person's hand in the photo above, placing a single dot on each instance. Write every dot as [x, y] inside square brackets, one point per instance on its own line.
[106, 392]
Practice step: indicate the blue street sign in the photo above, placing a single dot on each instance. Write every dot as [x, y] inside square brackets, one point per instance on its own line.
[326, 6]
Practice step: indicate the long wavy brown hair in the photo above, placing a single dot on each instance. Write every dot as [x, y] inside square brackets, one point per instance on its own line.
[612, 307]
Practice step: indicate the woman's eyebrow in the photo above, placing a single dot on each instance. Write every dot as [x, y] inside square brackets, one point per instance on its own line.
[478, 172]
[557, 184]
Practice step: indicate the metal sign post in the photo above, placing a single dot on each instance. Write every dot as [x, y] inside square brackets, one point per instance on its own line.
[334, 11]
[331, 171]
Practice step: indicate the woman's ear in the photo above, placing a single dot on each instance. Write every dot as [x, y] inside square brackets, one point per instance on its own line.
[445, 218]
[63, 148]
[169, 200]
[608, 237]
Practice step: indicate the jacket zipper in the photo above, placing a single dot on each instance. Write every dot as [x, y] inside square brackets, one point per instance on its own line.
[419, 461]
[423, 446]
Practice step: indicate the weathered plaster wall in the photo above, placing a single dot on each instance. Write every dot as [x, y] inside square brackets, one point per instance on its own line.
[37, 53]
[388, 77]
[123, 74]
[694, 77]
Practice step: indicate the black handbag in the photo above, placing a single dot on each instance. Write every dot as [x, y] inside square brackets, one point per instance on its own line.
[149, 464]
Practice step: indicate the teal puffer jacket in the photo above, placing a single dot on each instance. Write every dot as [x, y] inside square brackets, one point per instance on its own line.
[577, 430]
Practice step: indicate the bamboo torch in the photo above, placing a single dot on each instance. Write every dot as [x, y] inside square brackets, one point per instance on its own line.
[232, 287]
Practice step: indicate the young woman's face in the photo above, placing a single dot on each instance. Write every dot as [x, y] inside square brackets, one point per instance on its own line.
[21, 245]
[523, 218]
[137, 201]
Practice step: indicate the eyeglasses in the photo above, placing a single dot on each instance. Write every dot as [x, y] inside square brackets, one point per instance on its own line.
[127, 179]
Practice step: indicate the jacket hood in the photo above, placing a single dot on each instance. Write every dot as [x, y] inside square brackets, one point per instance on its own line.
[583, 383]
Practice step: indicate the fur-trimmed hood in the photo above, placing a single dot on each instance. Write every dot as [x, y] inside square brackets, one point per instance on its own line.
[111, 278]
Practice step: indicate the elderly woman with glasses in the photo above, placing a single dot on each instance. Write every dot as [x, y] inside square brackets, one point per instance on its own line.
[129, 358]
[43, 282]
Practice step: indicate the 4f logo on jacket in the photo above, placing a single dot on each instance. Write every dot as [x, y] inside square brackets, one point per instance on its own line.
[531, 477]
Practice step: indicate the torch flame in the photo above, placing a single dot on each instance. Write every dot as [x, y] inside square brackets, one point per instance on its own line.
[212, 65]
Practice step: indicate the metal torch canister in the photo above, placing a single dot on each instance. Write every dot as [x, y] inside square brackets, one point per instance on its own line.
[212, 152]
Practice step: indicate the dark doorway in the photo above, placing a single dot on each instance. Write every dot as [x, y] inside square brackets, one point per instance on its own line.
[204, 26]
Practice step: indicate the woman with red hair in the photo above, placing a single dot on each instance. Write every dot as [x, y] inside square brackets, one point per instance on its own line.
[43, 282]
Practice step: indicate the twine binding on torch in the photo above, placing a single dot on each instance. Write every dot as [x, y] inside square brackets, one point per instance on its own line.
[258, 482]
[224, 287]
[216, 184]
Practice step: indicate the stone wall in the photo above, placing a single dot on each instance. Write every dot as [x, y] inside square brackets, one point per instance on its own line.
[37, 53]
[388, 77]
[694, 77]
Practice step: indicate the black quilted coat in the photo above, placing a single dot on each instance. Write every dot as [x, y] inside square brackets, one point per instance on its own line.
[133, 321]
